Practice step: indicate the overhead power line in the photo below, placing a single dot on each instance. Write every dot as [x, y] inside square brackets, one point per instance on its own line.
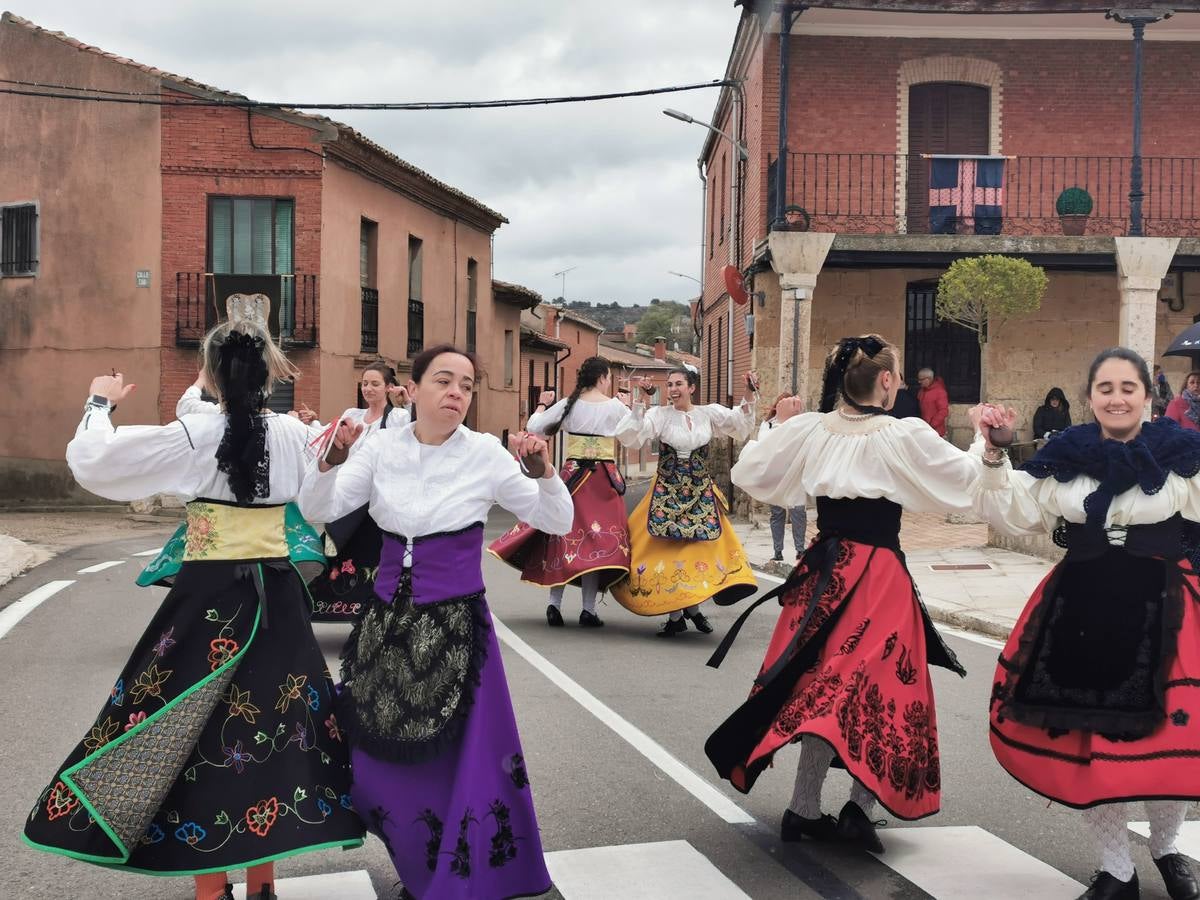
[98, 95]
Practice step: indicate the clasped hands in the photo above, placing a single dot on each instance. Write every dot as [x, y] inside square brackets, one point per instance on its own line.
[986, 416]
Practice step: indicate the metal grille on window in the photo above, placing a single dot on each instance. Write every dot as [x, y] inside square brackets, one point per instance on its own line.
[416, 327]
[370, 320]
[18, 240]
[951, 350]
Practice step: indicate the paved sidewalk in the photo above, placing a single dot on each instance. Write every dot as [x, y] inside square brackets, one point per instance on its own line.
[964, 583]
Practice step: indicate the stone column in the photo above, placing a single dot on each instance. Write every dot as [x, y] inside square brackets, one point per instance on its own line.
[797, 257]
[1141, 264]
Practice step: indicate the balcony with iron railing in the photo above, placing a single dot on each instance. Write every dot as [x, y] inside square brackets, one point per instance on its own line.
[294, 300]
[889, 194]
[370, 320]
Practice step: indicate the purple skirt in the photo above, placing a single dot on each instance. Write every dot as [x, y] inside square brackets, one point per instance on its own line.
[453, 809]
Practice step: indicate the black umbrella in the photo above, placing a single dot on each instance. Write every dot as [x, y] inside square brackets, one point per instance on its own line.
[1187, 343]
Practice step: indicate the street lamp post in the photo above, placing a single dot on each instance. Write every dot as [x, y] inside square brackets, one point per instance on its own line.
[743, 155]
[1138, 19]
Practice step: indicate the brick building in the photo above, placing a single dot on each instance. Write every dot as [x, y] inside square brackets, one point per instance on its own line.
[842, 237]
[125, 226]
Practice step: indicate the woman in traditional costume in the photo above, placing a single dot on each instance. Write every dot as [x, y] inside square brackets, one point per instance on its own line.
[218, 747]
[439, 773]
[846, 672]
[683, 548]
[353, 542]
[595, 552]
[1097, 692]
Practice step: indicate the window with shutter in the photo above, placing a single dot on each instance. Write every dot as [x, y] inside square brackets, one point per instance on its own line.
[19, 240]
[942, 118]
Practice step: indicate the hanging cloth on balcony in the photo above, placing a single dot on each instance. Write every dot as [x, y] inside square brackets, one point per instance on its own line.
[966, 194]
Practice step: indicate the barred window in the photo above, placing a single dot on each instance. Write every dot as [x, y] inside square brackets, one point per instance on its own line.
[18, 239]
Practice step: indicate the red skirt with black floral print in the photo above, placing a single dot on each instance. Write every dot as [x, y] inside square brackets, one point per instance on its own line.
[857, 678]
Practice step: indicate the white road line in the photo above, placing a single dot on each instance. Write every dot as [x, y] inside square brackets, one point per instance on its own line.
[19, 609]
[154, 552]
[631, 734]
[100, 567]
[944, 629]
[668, 870]
[965, 862]
[343, 885]
[1188, 841]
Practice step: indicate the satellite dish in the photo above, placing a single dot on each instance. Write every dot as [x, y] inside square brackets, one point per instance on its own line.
[733, 284]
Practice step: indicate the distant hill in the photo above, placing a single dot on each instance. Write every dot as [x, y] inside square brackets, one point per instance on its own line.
[615, 317]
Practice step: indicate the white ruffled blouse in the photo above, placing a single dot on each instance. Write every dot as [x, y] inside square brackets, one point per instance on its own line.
[136, 461]
[684, 431]
[1016, 503]
[586, 417]
[416, 489]
[839, 456]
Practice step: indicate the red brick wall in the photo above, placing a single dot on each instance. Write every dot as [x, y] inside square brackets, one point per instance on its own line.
[1068, 98]
[207, 151]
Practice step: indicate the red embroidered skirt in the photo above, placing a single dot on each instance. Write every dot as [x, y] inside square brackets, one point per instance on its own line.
[1083, 768]
[597, 542]
[858, 679]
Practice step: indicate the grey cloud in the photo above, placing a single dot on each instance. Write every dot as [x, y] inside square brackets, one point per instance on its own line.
[609, 186]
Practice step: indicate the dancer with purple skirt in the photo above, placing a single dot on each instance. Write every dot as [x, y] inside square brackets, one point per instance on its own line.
[439, 774]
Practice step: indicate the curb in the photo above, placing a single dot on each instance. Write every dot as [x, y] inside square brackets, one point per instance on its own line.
[943, 615]
[969, 622]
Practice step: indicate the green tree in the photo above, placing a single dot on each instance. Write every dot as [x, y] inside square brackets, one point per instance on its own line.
[983, 292]
[662, 319]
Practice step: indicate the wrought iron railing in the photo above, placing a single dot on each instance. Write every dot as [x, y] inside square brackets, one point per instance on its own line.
[294, 300]
[887, 193]
[370, 320]
[416, 326]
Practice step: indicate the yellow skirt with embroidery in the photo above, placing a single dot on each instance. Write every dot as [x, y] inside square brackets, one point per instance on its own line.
[666, 575]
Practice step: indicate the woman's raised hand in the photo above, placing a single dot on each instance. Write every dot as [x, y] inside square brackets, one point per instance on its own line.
[546, 399]
[524, 445]
[398, 394]
[113, 387]
[987, 417]
[647, 386]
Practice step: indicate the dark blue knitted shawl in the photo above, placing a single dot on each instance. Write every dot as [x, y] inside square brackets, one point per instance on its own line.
[1161, 448]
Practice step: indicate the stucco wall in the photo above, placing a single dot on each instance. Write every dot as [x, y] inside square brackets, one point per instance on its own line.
[92, 169]
[447, 244]
[1051, 347]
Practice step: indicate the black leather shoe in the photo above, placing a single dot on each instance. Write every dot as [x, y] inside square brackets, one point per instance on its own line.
[226, 894]
[266, 894]
[553, 617]
[672, 627]
[590, 620]
[1177, 875]
[700, 623]
[795, 827]
[855, 827]
[778, 557]
[1108, 887]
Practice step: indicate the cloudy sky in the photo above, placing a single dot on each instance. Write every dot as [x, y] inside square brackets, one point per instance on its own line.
[608, 187]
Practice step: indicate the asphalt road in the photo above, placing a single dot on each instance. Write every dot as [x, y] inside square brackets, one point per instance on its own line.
[611, 758]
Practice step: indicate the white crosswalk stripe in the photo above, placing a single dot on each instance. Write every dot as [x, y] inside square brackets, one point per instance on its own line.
[965, 862]
[667, 870]
[154, 552]
[342, 885]
[100, 567]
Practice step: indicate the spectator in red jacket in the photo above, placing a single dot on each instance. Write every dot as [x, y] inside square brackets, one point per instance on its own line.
[935, 402]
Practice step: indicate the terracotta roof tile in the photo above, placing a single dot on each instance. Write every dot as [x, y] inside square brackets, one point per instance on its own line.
[184, 81]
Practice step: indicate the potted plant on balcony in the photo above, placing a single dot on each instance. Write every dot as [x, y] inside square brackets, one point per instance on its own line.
[1074, 205]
